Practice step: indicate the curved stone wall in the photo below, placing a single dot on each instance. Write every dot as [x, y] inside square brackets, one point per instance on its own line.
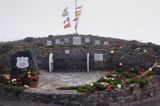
[131, 96]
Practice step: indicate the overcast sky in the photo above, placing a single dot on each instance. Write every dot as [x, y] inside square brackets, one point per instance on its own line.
[125, 19]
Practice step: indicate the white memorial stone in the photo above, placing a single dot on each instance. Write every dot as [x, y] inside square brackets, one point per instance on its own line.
[51, 62]
[77, 40]
[49, 43]
[22, 62]
[66, 51]
[98, 57]
[87, 40]
[97, 42]
[106, 43]
[66, 40]
[57, 41]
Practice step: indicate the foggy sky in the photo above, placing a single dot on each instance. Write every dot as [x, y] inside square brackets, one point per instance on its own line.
[125, 19]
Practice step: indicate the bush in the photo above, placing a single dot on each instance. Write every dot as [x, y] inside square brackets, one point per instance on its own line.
[98, 86]
[141, 82]
[15, 90]
[120, 71]
[86, 88]
[69, 88]
[102, 79]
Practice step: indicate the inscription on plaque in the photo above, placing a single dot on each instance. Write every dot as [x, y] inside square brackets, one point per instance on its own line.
[77, 40]
[66, 40]
[57, 41]
[49, 43]
[22, 62]
[87, 40]
[98, 57]
[66, 51]
[106, 43]
[97, 42]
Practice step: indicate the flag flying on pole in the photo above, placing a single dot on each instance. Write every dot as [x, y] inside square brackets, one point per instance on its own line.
[65, 12]
[66, 21]
[77, 15]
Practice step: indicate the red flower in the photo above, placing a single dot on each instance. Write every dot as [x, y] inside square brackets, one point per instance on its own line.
[18, 79]
[109, 87]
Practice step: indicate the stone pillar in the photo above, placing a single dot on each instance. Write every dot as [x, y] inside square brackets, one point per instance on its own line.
[87, 62]
[51, 62]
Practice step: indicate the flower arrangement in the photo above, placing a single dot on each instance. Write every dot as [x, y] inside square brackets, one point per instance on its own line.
[27, 76]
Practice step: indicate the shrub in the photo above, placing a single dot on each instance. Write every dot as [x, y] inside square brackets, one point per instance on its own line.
[141, 82]
[15, 90]
[86, 88]
[102, 79]
[98, 86]
[69, 88]
[120, 71]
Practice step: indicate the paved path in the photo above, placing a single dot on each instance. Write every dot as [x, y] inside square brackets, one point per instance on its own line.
[54, 80]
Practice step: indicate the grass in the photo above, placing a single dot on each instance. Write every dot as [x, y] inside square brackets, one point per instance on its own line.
[15, 90]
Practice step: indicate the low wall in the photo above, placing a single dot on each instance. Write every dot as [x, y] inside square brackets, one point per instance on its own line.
[132, 96]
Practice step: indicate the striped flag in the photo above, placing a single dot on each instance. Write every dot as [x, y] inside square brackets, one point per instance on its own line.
[66, 21]
[79, 7]
[65, 12]
[68, 25]
[76, 19]
[78, 13]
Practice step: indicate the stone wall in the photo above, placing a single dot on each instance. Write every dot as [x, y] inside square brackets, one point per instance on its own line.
[129, 97]
[79, 55]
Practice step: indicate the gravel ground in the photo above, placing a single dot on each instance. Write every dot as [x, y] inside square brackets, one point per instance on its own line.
[53, 80]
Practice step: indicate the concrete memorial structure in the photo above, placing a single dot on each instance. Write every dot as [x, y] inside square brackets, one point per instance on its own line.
[51, 62]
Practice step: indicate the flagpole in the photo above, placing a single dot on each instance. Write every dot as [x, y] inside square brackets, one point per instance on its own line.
[76, 30]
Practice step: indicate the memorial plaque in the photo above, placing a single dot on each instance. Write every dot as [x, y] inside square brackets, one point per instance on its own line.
[57, 41]
[77, 40]
[66, 51]
[106, 43]
[49, 43]
[87, 40]
[20, 62]
[97, 42]
[98, 57]
[66, 40]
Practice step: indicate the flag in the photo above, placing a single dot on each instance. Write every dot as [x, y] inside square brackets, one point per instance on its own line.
[67, 25]
[78, 13]
[76, 19]
[66, 20]
[65, 12]
[76, 25]
[79, 7]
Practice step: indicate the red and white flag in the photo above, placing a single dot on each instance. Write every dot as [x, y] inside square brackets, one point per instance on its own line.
[65, 12]
[66, 21]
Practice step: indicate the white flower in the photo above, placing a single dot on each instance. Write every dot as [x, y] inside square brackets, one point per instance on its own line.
[13, 80]
[26, 86]
[119, 86]
[90, 83]
[104, 77]
[112, 78]
[112, 51]
[29, 72]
